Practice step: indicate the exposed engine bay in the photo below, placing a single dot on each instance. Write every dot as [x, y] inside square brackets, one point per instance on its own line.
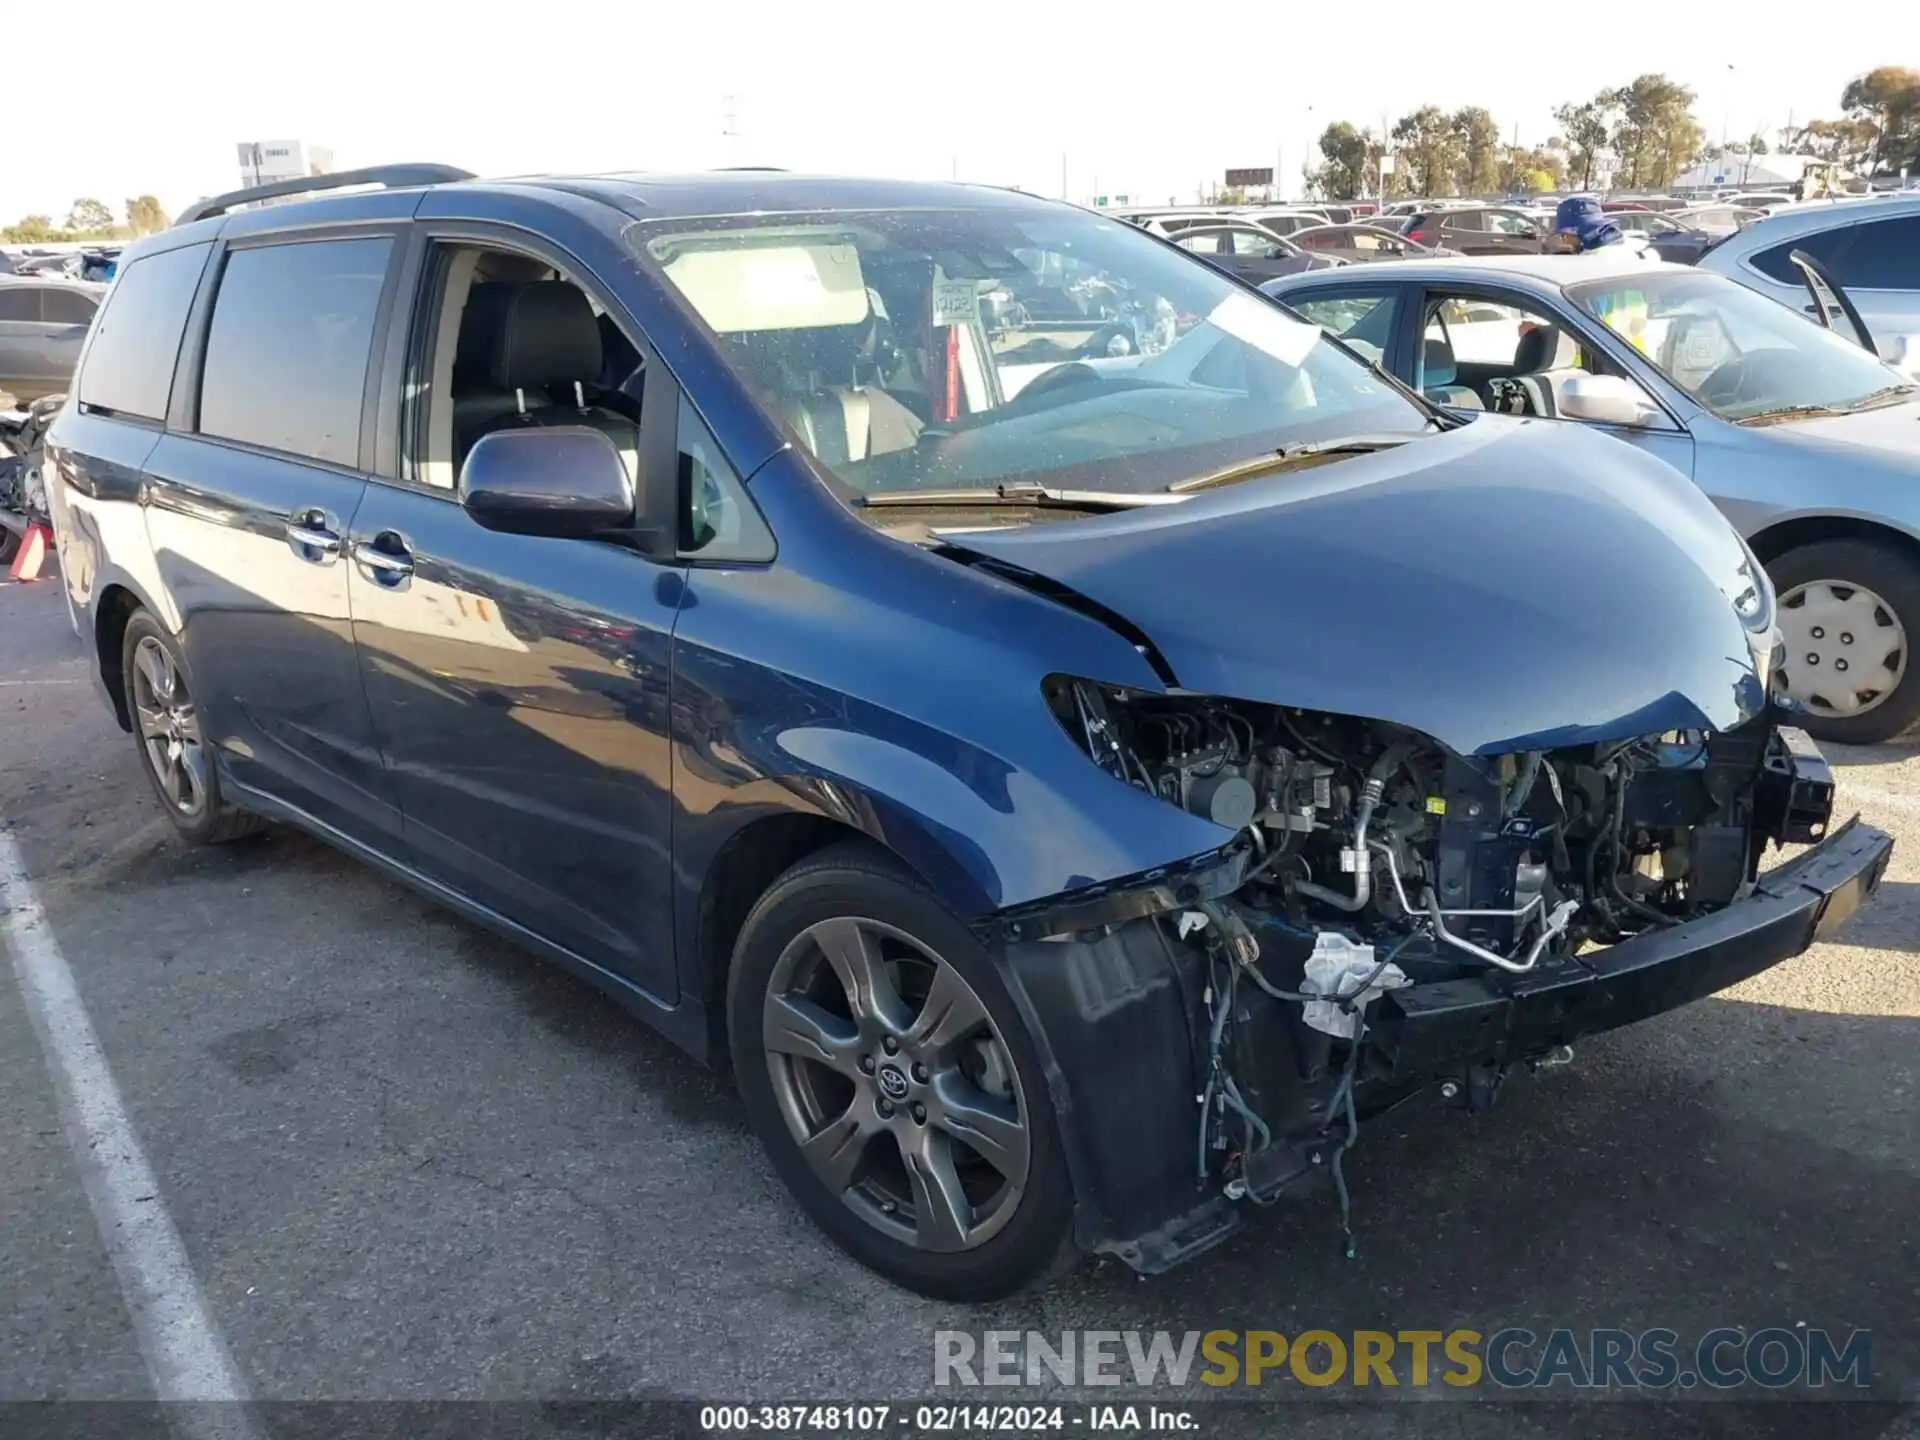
[1378, 859]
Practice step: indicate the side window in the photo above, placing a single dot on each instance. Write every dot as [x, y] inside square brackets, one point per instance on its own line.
[19, 302]
[1363, 321]
[1829, 247]
[1256, 243]
[1882, 255]
[129, 364]
[1464, 219]
[1509, 224]
[1207, 243]
[500, 339]
[286, 363]
[65, 307]
[1493, 338]
[717, 519]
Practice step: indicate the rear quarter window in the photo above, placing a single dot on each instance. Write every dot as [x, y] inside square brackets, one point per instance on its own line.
[129, 365]
[1829, 247]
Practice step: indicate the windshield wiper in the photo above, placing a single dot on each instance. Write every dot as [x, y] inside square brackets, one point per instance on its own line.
[1873, 399]
[1288, 455]
[1793, 412]
[1043, 496]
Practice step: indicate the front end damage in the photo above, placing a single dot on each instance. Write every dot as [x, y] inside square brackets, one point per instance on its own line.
[1391, 916]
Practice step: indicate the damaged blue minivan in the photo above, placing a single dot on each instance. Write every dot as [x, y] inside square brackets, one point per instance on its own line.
[1074, 739]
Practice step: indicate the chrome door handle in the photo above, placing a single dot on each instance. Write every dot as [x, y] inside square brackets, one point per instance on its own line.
[382, 565]
[312, 538]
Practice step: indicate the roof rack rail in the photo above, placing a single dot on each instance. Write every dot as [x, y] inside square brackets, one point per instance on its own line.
[392, 176]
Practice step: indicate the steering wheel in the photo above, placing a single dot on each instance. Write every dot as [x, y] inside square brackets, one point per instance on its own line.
[1061, 377]
[1740, 379]
[1109, 341]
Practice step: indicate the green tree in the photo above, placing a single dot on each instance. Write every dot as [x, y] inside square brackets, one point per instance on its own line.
[1477, 139]
[1847, 143]
[1587, 127]
[89, 214]
[1348, 153]
[1429, 148]
[1655, 136]
[1531, 170]
[1757, 144]
[144, 215]
[1888, 99]
[33, 230]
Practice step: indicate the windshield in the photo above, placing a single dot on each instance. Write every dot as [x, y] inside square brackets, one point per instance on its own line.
[975, 348]
[1738, 353]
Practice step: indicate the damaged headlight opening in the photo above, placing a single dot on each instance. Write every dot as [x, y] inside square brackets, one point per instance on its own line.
[1376, 858]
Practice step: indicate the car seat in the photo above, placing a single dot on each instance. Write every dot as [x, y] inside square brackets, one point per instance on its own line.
[1439, 376]
[1546, 358]
[548, 336]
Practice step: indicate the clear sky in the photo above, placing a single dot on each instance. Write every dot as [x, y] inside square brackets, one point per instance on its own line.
[1142, 99]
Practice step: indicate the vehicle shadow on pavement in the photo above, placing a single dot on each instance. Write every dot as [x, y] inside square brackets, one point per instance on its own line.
[1726, 1164]
[1889, 921]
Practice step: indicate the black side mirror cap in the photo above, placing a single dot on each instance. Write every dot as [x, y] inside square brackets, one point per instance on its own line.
[559, 481]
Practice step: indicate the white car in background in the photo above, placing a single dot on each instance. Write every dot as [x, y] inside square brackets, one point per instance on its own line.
[1871, 246]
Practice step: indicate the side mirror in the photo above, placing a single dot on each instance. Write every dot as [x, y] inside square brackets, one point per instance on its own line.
[1902, 351]
[565, 482]
[1605, 398]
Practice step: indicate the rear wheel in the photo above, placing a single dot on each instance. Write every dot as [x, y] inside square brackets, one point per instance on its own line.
[173, 749]
[1849, 611]
[893, 1083]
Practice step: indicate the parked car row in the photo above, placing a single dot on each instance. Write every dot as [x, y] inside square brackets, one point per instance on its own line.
[1807, 443]
[1073, 738]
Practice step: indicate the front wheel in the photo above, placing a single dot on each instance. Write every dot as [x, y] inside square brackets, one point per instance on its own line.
[893, 1083]
[1849, 610]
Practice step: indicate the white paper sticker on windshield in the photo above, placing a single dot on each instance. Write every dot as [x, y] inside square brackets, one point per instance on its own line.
[955, 302]
[1265, 327]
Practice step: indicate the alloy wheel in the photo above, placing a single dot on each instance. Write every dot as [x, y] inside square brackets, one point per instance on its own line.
[897, 1084]
[169, 727]
[1846, 648]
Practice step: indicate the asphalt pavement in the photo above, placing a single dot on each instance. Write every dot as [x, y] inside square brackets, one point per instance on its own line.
[409, 1162]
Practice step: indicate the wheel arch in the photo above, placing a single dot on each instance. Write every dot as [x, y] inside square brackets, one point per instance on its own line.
[775, 834]
[1774, 540]
[113, 608]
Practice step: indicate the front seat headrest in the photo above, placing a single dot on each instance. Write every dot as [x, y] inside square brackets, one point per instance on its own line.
[1545, 347]
[1437, 365]
[480, 323]
[548, 336]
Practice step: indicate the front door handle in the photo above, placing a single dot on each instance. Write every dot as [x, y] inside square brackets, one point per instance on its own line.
[311, 535]
[385, 558]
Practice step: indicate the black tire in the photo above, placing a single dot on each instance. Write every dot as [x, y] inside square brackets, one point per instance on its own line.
[1032, 1242]
[1894, 577]
[210, 820]
[9, 545]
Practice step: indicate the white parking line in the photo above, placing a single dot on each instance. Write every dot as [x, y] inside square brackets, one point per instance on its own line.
[186, 1358]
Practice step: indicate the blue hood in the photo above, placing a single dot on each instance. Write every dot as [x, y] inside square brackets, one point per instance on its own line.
[1511, 585]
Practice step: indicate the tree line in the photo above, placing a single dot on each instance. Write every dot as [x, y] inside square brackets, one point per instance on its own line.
[89, 219]
[1647, 127]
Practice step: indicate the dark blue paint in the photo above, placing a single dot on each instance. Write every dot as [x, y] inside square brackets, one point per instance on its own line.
[519, 691]
[1508, 585]
[564, 737]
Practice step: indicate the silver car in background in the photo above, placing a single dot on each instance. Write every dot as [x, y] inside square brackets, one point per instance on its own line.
[43, 323]
[1809, 444]
[1871, 246]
